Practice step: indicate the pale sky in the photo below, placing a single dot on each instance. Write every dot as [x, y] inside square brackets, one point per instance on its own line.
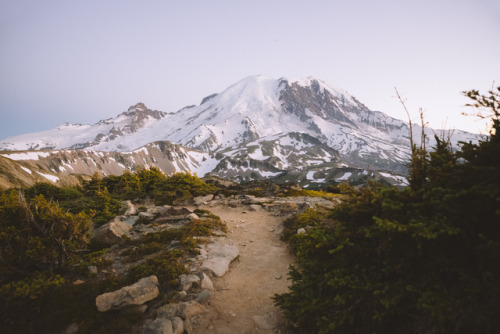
[83, 61]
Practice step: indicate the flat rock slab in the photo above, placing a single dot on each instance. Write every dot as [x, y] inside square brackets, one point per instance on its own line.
[138, 293]
[219, 256]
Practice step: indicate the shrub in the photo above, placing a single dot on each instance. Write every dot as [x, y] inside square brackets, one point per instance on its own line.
[418, 260]
[166, 266]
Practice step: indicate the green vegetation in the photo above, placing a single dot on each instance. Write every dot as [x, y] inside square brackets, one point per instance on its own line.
[152, 183]
[167, 266]
[294, 192]
[45, 241]
[419, 260]
[37, 235]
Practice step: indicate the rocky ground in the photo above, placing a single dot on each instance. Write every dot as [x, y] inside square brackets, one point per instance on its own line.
[230, 284]
[242, 299]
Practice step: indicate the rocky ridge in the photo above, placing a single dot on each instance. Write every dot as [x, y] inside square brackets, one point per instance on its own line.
[257, 128]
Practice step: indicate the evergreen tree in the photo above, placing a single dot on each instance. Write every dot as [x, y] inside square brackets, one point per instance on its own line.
[419, 260]
[37, 235]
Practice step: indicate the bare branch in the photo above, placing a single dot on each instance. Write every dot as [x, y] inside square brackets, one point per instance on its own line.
[408, 114]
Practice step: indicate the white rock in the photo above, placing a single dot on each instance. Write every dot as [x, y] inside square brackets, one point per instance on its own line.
[206, 282]
[202, 199]
[266, 322]
[148, 215]
[130, 208]
[192, 216]
[178, 325]
[219, 258]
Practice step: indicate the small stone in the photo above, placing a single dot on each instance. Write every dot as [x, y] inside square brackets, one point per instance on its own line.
[160, 325]
[187, 281]
[78, 282]
[278, 277]
[203, 297]
[301, 231]
[72, 329]
[146, 215]
[231, 313]
[178, 325]
[192, 216]
[92, 270]
[206, 282]
[266, 322]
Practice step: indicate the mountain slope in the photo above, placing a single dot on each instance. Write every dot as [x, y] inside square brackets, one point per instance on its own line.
[249, 113]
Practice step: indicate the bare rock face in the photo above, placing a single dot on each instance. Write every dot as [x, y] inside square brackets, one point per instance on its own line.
[111, 233]
[138, 293]
[219, 256]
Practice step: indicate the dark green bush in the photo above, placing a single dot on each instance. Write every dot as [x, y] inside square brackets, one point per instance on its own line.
[167, 266]
[419, 260]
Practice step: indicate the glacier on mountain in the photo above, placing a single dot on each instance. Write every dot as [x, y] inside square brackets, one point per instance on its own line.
[259, 119]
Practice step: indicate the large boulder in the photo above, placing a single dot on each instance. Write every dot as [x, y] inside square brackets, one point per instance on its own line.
[138, 293]
[219, 256]
[112, 232]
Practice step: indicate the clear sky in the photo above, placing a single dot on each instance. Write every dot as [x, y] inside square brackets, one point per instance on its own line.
[83, 61]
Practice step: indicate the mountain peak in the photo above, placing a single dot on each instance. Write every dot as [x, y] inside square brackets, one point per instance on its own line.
[254, 108]
[138, 106]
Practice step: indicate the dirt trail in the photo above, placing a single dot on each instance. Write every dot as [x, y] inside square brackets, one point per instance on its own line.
[242, 301]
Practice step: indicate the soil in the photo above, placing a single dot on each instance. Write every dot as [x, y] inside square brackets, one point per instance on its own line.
[241, 302]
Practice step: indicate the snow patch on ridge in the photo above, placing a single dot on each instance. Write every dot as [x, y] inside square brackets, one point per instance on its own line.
[49, 177]
[31, 155]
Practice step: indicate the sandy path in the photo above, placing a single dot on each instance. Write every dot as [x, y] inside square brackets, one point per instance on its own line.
[242, 301]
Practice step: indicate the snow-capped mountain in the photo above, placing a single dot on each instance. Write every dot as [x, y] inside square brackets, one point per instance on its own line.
[254, 115]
